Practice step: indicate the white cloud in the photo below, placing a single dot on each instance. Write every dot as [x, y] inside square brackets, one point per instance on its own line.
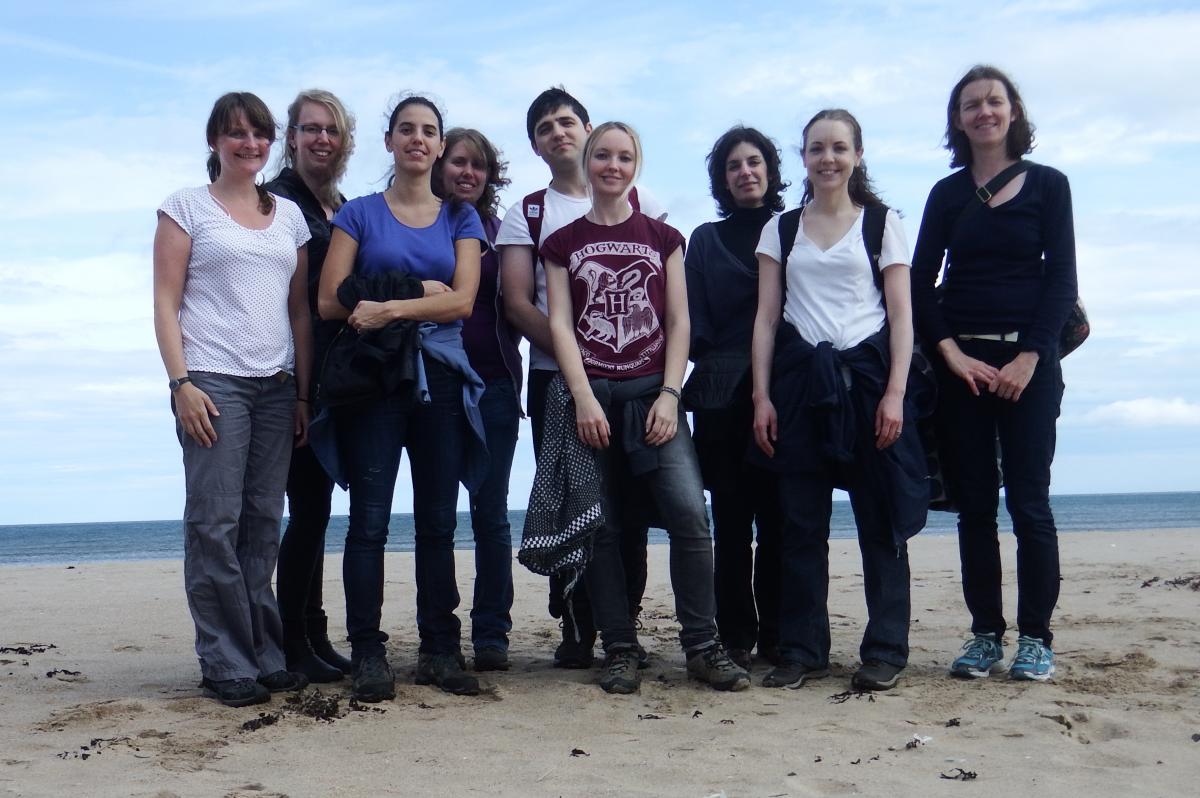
[1146, 412]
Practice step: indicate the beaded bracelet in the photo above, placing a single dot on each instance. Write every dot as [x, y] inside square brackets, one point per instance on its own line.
[673, 391]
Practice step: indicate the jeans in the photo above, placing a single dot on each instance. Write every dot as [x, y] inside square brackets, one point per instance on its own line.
[231, 522]
[678, 491]
[632, 541]
[302, 552]
[371, 436]
[967, 430]
[491, 618]
[745, 498]
[804, 620]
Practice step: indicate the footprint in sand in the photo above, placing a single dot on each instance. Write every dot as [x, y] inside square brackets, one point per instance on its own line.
[86, 714]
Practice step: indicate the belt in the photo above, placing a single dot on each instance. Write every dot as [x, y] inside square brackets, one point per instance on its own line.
[1010, 338]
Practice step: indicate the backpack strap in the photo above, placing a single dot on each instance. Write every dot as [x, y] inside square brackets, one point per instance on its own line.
[633, 199]
[789, 226]
[985, 193]
[534, 208]
[874, 221]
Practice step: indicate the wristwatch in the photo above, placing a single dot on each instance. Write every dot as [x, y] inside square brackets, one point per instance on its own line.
[177, 383]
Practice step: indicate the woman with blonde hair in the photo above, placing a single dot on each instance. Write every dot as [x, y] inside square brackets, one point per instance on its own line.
[619, 322]
[317, 146]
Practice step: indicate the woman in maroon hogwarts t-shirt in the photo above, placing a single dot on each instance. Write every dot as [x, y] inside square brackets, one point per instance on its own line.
[619, 321]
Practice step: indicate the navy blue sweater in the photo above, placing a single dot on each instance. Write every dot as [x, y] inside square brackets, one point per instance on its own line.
[1010, 268]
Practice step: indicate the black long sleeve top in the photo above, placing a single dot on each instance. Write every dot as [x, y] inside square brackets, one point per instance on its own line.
[722, 281]
[1009, 268]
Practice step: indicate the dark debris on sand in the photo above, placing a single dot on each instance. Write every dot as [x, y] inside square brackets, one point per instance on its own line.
[263, 720]
[95, 747]
[841, 698]
[27, 649]
[958, 774]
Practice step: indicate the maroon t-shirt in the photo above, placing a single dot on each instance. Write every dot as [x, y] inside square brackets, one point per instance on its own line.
[618, 292]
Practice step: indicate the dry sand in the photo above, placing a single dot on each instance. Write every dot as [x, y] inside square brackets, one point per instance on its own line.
[113, 708]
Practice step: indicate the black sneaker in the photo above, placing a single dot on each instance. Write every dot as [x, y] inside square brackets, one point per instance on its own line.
[792, 674]
[491, 659]
[446, 671]
[770, 652]
[714, 666]
[621, 672]
[576, 656]
[316, 669]
[236, 692]
[875, 675]
[373, 680]
[283, 681]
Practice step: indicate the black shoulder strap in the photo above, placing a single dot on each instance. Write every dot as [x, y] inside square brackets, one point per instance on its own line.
[534, 208]
[789, 226]
[875, 219]
[985, 193]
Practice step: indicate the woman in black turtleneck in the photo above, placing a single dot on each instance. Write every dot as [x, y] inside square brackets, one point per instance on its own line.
[722, 283]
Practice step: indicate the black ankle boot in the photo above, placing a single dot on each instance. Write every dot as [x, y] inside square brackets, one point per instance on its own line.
[302, 659]
[318, 638]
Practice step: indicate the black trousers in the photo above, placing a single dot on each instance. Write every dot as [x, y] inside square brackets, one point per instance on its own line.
[967, 429]
[302, 551]
[633, 531]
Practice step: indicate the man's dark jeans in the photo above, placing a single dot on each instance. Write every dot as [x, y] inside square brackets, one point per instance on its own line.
[372, 436]
[967, 430]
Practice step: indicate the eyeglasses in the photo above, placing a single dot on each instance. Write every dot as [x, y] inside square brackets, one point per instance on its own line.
[316, 130]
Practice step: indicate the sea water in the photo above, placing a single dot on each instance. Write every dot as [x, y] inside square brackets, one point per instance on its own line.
[163, 540]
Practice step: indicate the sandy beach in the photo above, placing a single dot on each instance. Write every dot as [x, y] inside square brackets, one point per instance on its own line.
[98, 696]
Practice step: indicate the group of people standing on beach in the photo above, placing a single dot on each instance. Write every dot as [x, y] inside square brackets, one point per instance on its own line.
[309, 340]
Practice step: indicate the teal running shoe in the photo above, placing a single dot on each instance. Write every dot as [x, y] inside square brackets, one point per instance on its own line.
[1034, 661]
[982, 656]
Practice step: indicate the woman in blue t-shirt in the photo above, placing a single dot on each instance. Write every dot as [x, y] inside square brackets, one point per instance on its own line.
[407, 230]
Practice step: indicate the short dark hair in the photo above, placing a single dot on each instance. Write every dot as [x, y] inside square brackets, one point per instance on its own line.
[862, 192]
[1020, 131]
[549, 101]
[496, 167]
[716, 159]
[222, 119]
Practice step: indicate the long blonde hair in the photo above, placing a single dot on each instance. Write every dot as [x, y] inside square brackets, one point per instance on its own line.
[594, 137]
[343, 119]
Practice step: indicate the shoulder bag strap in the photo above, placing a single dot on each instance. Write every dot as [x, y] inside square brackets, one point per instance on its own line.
[534, 207]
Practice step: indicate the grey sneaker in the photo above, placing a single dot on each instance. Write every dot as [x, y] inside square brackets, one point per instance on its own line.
[446, 671]
[714, 666]
[792, 675]
[373, 680]
[236, 692]
[620, 673]
[876, 675]
[982, 655]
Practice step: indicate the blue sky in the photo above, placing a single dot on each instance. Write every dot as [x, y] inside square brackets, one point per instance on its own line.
[105, 107]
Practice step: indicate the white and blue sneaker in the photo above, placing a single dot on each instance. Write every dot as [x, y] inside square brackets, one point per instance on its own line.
[1034, 661]
[982, 656]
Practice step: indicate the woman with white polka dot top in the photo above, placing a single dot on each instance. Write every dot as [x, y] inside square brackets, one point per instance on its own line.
[233, 329]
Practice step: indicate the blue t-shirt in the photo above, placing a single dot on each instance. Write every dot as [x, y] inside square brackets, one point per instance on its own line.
[385, 243]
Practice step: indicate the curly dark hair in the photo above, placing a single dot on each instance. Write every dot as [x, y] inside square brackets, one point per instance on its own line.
[738, 134]
[1020, 131]
[862, 192]
[496, 167]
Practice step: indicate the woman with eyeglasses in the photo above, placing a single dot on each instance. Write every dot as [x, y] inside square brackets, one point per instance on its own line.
[234, 333]
[317, 147]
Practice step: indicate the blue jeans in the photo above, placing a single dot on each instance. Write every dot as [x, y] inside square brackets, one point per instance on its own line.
[491, 620]
[967, 430]
[678, 492]
[371, 436]
[804, 617]
[231, 522]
